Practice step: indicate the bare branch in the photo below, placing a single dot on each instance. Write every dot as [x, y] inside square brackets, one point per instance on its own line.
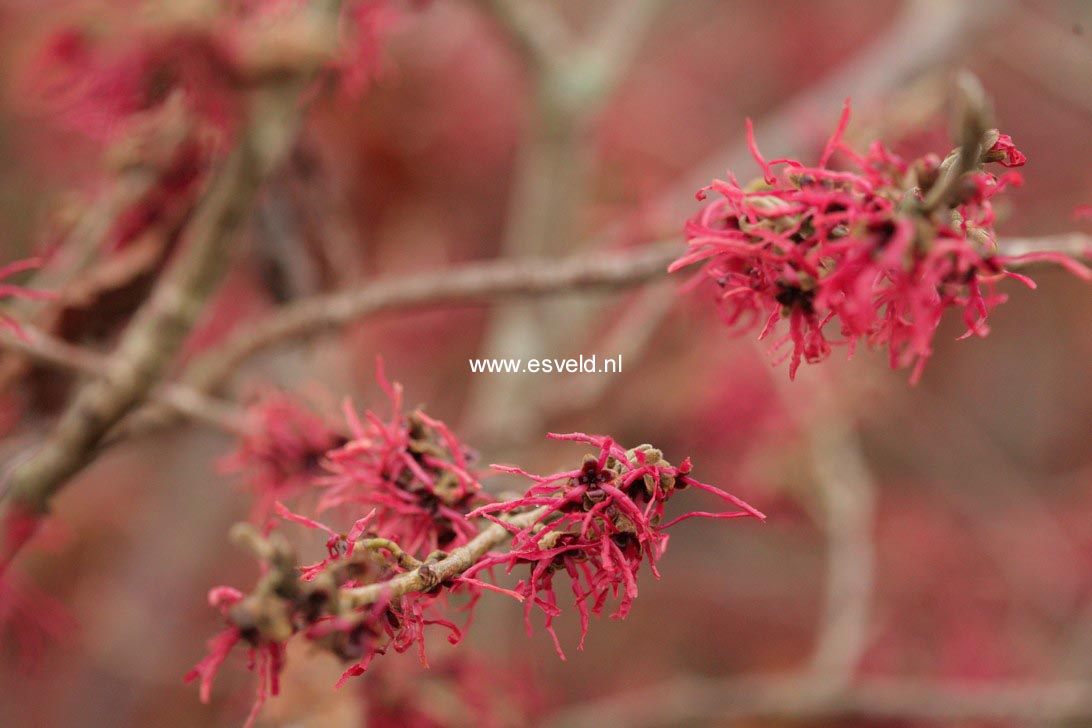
[924, 35]
[1076, 245]
[479, 283]
[159, 328]
[428, 575]
[847, 491]
[533, 27]
[44, 349]
[472, 283]
[617, 39]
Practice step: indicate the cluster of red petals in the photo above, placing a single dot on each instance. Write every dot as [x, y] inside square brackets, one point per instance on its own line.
[282, 454]
[412, 469]
[169, 89]
[97, 85]
[409, 474]
[598, 524]
[8, 290]
[307, 604]
[366, 24]
[410, 477]
[31, 617]
[263, 656]
[369, 631]
[847, 253]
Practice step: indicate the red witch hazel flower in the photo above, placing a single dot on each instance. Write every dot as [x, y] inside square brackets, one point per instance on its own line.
[884, 246]
[30, 617]
[281, 456]
[412, 469]
[265, 656]
[598, 524]
[414, 557]
[98, 84]
[322, 603]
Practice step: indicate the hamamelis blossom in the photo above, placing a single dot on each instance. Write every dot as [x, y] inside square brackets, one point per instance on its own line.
[860, 252]
[98, 86]
[599, 523]
[312, 603]
[97, 83]
[264, 656]
[412, 469]
[281, 455]
[30, 618]
[411, 556]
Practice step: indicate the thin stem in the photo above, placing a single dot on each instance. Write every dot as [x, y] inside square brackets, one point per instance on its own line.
[477, 283]
[472, 283]
[160, 326]
[405, 560]
[184, 401]
[846, 491]
[428, 575]
[533, 28]
[974, 123]
[568, 90]
[1076, 245]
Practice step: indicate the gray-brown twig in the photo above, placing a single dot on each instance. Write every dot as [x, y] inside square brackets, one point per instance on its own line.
[428, 575]
[474, 282]
[159, 328]
[44, 349]
[477, 283]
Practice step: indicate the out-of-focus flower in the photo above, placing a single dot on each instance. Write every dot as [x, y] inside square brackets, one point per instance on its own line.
[98, 86]
[867, 246]
[264, 656]
[282, 455]
[1005, 153]
[207, 53]
[31, 617]
[412, 469]
[365, 24]
[599, 523]
[312, 602]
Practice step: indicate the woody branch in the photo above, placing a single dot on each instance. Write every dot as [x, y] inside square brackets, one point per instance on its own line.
[159, 328]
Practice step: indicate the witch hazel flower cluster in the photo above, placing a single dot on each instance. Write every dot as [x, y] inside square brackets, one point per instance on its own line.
[597, 524]
[418, 550]
[280, 455]
[167, 87]
[411, 469]
[318, 603]
[208, 53]
[874, 250]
